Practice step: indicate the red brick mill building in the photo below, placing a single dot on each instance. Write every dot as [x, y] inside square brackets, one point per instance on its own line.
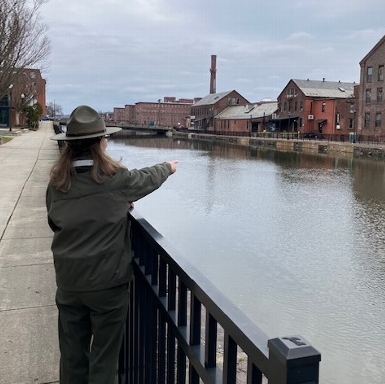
[371, 101]
[317, 108]
[206, 109]
[167, 113]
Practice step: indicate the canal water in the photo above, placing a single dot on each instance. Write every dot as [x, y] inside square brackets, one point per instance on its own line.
[296, 241]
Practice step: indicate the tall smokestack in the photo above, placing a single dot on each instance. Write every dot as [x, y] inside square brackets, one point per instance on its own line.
[213, 74]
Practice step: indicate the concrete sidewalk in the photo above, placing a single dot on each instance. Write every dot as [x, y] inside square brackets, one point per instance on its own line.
[28, 315]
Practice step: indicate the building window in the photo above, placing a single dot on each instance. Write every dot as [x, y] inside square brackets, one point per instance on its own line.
[367, 120]
[301, 105]
[377, 123]
[289, 92]
[379, 95]
[369, 74]
[233, 101]
[295, 106]
[323, 107]
[284, 106]
[368, 96]
[351, 123]
[380, 73]
[4, 101]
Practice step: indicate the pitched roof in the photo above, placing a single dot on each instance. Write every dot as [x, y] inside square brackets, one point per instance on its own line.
[253, 110]
[382, 41]
[330, 89]
[212, 98]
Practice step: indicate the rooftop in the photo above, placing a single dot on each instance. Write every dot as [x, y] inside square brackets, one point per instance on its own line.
[251, 110]
[322, 88]
[212, 98]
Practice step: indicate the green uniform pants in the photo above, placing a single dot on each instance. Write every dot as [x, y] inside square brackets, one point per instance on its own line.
[90, 334]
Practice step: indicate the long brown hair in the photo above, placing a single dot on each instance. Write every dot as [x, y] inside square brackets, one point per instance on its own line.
[63, 171]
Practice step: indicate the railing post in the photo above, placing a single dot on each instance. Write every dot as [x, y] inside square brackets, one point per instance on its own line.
[293, 361]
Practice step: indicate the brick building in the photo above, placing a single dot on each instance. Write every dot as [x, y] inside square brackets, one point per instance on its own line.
[28, 89]
[371, 102]
[124, 115]
[206, 109]
[167, 113]
[319, 108]
[245, 119]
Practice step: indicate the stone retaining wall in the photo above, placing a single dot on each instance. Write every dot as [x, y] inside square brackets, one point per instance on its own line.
[305, 146]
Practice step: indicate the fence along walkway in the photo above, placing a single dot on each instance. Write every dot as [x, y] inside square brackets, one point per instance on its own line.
[181, 329]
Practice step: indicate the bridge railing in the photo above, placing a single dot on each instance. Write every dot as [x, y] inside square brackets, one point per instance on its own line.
[181, 329]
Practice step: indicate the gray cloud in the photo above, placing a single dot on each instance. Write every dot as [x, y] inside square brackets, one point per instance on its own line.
[108, 53]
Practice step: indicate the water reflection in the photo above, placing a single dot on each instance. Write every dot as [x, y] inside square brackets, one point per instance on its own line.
[295, 240]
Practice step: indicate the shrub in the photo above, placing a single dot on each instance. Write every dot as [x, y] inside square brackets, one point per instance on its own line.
[33, 114]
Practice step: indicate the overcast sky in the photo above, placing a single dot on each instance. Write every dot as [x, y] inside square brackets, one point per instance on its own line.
[109, 53]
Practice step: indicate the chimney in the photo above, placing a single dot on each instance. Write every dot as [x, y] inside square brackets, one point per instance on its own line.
[213, 74]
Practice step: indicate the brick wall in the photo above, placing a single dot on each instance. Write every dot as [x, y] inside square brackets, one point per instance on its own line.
[371, 83]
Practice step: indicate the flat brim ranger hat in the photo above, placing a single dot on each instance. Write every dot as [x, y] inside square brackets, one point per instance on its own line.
[85, 123]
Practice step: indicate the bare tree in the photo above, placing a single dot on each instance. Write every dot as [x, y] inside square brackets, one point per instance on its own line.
[54, 109]
[23, 43]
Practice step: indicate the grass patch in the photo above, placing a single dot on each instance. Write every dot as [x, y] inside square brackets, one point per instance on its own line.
[5, 139]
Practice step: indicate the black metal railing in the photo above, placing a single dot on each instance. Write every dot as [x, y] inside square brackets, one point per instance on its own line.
[181, 329]
[58, 129]
[351, 137]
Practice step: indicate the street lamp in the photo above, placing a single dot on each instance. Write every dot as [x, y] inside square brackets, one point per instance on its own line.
[22, 109]
[10, 107]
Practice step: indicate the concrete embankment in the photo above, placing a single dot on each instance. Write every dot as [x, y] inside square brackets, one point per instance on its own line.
[333, 148]
[29, 350]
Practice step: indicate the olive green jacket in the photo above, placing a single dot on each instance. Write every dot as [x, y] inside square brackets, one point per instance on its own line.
[91, 243]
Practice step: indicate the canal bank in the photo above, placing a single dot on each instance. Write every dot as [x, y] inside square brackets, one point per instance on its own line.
[334, 148]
